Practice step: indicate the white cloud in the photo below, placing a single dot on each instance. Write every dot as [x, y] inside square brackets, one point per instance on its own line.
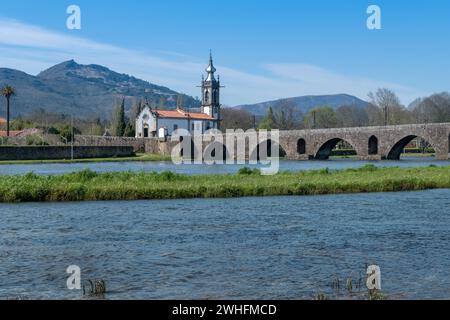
[32, 49]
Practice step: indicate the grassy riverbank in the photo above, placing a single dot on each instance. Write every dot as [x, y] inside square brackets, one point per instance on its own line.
[418, 155]
[88, 185]
[139, 157]
[402, 156]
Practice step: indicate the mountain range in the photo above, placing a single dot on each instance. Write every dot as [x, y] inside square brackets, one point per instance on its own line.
[92, 90]
[82, 90]
[304, 103]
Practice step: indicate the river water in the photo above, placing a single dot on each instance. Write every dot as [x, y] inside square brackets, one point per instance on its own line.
[55, 169]
[252, 248]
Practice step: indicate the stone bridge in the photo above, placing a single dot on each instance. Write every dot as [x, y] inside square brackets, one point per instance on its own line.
[370, 143]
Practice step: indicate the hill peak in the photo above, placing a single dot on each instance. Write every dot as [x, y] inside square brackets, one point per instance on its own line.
[59, 69]
[68, 64]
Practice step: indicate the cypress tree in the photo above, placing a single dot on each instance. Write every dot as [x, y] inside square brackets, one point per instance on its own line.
[269, 121]
[119, 120]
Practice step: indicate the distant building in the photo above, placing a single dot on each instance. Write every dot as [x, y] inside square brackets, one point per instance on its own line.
[3, 129]
[16, 133]
[3, 133]
[21, 133]
[162, 123]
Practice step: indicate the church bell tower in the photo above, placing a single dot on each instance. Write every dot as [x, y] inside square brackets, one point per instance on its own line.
[211, 93]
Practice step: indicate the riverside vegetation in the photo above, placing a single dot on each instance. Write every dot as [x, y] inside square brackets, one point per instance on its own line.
[88, 185]
[140, 157]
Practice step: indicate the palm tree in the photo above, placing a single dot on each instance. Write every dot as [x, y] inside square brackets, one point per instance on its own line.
[7, 92]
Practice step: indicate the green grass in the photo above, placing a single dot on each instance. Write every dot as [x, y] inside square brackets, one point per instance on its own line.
[418, 155]
[139, 157]
[89, 185]
[403, 155]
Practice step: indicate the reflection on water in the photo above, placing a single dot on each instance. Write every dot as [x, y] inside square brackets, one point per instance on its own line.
[49, 169]
[253, 248]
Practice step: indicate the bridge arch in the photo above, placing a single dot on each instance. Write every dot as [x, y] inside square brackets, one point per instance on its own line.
[213, 149]
[324, 152]
[396, 151]
[264, 150]
[186, 151]
[301, 146]
[373, 146]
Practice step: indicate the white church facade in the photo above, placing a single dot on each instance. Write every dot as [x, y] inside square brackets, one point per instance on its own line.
[162, 123]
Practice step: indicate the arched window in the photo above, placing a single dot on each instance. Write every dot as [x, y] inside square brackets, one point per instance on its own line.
[206, 96]
[301, 146]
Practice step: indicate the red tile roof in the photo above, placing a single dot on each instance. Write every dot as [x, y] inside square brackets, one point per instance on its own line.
[180, 114]
[2, 120]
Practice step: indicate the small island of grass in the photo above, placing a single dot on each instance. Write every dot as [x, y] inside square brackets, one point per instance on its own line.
[91, 186]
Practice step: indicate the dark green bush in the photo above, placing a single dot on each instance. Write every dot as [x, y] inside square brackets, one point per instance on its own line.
[248, 172]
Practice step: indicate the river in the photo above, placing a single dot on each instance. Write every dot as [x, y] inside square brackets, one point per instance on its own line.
[253, 248]
[56, 169]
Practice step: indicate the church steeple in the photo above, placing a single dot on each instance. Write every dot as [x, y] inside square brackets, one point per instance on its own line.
[211, 91]
[210, 70]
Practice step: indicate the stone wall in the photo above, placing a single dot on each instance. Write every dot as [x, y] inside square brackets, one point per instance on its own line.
[138, 144]
[62, 152]
[158, 146]
[23, 140]
[80, 140]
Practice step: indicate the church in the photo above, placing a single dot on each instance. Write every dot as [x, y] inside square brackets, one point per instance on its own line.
[162, 123]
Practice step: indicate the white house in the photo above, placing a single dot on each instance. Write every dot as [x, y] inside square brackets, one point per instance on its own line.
[161, 123]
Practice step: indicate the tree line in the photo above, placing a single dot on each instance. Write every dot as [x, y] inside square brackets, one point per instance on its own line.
[383, 108]
[120, 123]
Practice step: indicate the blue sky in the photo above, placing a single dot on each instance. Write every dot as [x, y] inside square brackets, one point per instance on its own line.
[264, 49]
